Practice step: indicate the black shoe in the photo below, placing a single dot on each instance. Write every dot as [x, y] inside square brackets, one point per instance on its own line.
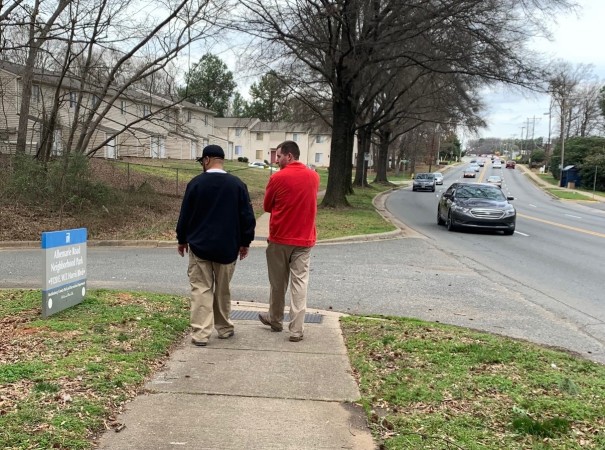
[227, 335]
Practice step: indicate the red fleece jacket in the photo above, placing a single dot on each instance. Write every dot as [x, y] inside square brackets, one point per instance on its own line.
[291, 198]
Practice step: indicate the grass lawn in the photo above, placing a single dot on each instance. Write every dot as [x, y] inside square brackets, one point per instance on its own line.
[568, 195]
[64, 379]
[360, 218]
[432, 386]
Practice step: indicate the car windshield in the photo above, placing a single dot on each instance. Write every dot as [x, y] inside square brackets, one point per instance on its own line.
[425, 176]
[486, 192]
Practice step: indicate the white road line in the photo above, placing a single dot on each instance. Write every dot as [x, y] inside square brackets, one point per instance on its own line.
[522, 234]
[533, 206]
[575, 217]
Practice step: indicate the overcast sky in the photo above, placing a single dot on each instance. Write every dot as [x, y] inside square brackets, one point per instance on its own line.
[578, 40]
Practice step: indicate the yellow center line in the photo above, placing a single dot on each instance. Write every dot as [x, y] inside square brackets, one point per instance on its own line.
[560, 225]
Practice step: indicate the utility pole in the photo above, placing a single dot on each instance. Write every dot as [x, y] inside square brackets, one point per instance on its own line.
[521, 136]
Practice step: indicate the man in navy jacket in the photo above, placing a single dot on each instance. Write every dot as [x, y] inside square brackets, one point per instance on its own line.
[216, 224]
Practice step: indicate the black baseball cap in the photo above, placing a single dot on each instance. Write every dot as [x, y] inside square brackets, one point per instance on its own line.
[212, 151]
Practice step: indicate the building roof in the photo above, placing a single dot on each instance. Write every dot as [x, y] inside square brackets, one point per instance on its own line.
[235, 122]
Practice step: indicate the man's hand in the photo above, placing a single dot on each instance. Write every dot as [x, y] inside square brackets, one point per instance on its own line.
[182, 249]
[243, 252]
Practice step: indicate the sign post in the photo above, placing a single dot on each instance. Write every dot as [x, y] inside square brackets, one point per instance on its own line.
[64, 269]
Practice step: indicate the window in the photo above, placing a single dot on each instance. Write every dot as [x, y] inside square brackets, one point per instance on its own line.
[259, 155]
[73, 99]
[259, 136]
[238, 132]
[36, 94]
[189, 116]
[295, 137]
[122, 107]
[319, 139]
[146, 110]
[95, 101]
[57, 146]
[238, 150]
[318, 157]
[205, 119]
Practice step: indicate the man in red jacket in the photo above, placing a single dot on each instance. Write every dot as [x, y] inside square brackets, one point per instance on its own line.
[291, 198]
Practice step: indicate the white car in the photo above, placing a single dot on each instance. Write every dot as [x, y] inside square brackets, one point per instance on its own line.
[263, 165]
[497, 164]
[438, 178]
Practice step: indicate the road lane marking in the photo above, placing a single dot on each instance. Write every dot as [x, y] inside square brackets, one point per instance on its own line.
[533, 206]
[575, 217]
[560, 225]
[522, 234]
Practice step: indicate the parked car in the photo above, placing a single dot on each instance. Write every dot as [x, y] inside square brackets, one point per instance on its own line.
[424, 182]
[469, 172]
[476, 205]
[258, 165]
[497, 164]
[510, 164]
[495, 180]
[263, 165]
[438, 177]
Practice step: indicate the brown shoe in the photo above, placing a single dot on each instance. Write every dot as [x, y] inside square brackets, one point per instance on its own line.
[264, 318]
[226, 335]
[199, 343]
[296, 338]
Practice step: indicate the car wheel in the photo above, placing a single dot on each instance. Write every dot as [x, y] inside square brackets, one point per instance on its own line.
[509, 232]
[413, 189]
[450, 223]
[440, 221]
[433, 190]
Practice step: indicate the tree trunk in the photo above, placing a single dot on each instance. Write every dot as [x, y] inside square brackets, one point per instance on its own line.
[383, 156]
[341, 151]
[363, 147]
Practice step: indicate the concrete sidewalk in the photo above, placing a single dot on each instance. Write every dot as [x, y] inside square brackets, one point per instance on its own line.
[255, 390]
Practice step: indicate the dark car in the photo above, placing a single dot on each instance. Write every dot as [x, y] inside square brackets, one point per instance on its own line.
[476, 205]
[424, 182]
[510, 164]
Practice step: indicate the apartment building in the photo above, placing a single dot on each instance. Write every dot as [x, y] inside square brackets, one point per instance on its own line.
[258, 141]
[131, 123]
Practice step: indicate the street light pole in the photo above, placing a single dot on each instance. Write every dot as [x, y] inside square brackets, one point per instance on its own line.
[562, 142]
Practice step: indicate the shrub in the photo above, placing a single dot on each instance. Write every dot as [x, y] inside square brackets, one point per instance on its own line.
[62, 183]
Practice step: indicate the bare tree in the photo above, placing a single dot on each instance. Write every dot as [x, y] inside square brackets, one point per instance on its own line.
[342, 40]
[107, 52]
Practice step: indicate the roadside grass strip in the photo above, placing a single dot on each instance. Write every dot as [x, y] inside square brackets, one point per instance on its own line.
[568, 195]
[64, 379]
[433, 386]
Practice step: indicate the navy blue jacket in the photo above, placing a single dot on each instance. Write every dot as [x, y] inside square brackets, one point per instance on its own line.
[216, 217]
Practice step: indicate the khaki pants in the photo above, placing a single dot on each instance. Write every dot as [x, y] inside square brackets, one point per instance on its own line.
[288, 264]
[210, 297]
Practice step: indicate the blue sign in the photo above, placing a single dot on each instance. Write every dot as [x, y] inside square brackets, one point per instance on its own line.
[64, 269]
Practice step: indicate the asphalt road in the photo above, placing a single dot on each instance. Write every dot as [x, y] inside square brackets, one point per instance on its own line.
[405, 277]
